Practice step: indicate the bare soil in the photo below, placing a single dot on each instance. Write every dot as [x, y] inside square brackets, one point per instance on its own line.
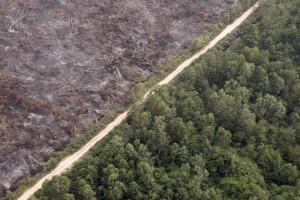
[66, 62]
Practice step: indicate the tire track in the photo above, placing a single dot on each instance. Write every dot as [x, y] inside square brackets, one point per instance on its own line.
[69, 161]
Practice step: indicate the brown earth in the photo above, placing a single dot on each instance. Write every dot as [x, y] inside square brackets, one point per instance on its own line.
[66, 62]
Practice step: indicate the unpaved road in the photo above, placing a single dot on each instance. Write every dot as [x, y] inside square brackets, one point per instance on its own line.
[69, 161]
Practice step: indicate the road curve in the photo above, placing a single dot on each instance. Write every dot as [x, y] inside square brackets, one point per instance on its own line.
[69, 161]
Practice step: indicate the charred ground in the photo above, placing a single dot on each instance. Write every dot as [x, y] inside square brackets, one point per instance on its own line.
[66, 62]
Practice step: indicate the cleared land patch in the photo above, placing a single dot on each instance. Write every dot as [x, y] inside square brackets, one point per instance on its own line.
[64, 63]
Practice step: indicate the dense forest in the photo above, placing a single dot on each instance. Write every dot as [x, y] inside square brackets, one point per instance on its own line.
[228, 128]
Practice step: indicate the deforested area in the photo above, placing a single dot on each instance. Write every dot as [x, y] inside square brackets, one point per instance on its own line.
[227, 129]
[66, 62]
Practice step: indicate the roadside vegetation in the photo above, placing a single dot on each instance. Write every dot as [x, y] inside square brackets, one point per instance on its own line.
[229, 128]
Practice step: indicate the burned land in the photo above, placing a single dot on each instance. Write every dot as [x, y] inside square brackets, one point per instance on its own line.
[64, 63]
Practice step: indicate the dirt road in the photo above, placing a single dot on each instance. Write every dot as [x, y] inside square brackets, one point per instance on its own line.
[69, 161]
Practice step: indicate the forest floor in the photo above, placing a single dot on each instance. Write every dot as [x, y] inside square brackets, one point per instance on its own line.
[68, 162]
[64, 63]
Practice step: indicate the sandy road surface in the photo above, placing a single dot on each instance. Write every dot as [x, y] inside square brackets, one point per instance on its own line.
[69, 161]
